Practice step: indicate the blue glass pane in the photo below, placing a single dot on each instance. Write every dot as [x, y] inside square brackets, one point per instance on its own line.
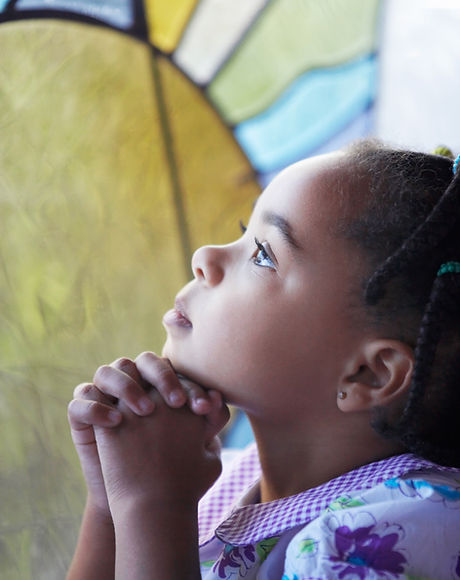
[3, 3]
[116, 12]
[362, 126]
[240, 433]
[359, 127]
[316, 106]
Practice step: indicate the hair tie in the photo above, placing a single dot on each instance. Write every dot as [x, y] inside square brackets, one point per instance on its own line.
[444, 152]
[456, 162]
[449, 267]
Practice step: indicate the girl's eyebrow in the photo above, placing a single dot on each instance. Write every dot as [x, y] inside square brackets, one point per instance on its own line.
[283, 226]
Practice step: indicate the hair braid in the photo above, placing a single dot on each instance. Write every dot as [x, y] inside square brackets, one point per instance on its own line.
[424, 239]
[406, 227]
[441, 308]
[425, 353]
[425, 350]
[428, 425]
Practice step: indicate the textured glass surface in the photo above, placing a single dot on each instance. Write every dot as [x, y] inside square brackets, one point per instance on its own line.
[91, 253]
[214, 31]
[114, 166]
[291, 37]
[166, 20]
[317, 106]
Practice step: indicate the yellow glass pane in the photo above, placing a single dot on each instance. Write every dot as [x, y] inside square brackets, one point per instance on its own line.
[166, 20]
[218, 181]
[90, 255]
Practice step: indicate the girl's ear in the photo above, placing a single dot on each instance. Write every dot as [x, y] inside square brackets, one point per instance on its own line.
[380, 374]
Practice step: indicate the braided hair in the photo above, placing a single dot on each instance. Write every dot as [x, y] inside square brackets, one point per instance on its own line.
[408, 226]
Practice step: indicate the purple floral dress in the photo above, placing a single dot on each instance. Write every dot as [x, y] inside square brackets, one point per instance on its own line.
[396, 518]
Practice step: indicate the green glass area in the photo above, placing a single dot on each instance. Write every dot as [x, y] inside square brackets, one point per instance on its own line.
[291, 37]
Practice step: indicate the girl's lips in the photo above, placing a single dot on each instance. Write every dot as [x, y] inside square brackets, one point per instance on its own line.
[177, 317]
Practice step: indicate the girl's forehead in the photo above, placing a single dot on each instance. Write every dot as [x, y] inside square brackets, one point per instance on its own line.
[304, 204]
[310, 185]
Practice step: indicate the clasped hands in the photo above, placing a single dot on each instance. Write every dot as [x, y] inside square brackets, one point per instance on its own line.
[146, 436]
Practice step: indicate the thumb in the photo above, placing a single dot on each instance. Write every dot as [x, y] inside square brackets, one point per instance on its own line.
[217, 417]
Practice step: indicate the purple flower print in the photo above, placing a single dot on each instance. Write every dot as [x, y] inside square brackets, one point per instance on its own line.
[362, 548]
[235, 558]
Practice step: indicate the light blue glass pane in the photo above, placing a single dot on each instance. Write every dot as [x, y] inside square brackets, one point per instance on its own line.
[362, 126]
[359, 127]
[316, 106]
[3, 4]
[114, 12]
[240, 433]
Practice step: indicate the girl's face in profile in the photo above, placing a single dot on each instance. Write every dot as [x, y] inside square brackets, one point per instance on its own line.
[266, 319]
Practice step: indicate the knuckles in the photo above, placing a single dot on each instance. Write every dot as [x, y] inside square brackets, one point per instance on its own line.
[147, 356]
[83, 390]
[81, 411]
[165, 374]
[71, 408]
[123, 363]
[102, 372]
[159, 367]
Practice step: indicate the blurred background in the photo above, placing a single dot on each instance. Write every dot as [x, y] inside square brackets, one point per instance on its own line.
[132, 132]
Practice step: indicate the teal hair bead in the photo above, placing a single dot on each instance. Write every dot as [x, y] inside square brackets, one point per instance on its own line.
[456, 162]
[449, 268]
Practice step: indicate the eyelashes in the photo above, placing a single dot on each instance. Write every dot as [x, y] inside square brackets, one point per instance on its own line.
[260, 257]
[262, 250]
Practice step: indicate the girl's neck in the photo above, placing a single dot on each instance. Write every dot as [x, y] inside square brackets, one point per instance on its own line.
[295, 460]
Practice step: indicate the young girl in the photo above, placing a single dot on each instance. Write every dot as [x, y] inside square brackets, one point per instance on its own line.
[334, 323]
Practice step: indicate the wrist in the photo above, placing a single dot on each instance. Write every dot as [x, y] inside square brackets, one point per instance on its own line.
[150, 536]
[100, 514]
[148, 508]
[94, 557]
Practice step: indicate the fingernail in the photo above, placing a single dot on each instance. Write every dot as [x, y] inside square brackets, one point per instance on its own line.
[176, 397]
[145, 405]
[202, 404]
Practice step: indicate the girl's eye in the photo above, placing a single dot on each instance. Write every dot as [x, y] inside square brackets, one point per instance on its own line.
[261, 257]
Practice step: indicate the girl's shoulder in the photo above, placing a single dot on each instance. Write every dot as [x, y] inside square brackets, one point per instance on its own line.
[407, 526]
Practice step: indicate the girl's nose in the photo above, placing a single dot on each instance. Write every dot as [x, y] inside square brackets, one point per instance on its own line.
[208, 264]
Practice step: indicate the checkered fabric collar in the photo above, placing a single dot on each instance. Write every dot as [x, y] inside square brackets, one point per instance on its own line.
[248, 524]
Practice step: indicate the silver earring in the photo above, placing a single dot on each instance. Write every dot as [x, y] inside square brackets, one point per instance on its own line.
[342, 395]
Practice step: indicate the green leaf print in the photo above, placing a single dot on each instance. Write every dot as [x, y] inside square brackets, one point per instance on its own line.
[207, 564]
[343, 502]
[264, 548]
[307, 546]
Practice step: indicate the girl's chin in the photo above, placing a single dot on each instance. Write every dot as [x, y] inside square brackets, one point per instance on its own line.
[168, 350]
[201, 378]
